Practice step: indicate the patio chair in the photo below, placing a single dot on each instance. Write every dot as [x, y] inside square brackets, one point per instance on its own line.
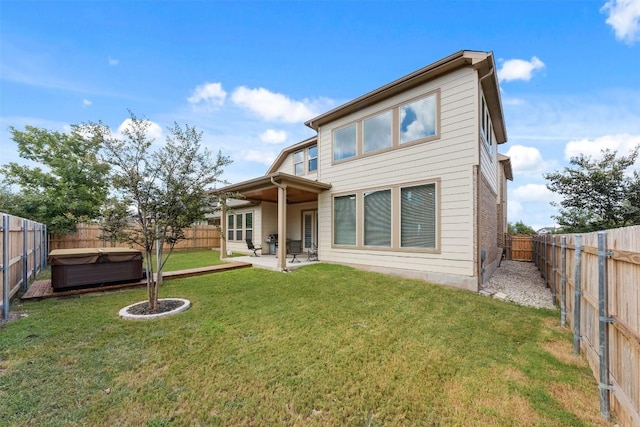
[295, 249]
[312, 253]
[253, 248]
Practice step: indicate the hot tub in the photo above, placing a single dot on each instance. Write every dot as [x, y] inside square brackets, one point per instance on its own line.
[73, 268]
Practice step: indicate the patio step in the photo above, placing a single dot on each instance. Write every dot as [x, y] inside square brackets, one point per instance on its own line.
[42, 288]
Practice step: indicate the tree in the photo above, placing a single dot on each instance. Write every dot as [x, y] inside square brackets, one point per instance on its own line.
[167, 187]
[519, 228]
[597, 194]
[69, 183]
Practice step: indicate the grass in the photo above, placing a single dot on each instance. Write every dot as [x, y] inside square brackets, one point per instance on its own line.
[323, 345]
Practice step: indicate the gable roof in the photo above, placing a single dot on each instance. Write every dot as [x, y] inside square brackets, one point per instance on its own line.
[265, 188]
[505, 161]
[290, 149]
[481, 61]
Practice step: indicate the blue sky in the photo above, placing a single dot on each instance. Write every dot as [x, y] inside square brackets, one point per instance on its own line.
[248, 74]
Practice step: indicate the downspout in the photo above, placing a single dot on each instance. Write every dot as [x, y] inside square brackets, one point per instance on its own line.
[282, 225]
[478, 176]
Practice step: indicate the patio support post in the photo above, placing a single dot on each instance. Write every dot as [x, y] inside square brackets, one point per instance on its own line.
[223, 233]
[282, 228]
[282, 225]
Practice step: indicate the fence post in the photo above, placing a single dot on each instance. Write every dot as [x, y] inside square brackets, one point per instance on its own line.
[603, 309]
[577, 295]
[36, 246]
[5, 266]
[563, 281]
[554, 291]
[25, 260]
[44, 253]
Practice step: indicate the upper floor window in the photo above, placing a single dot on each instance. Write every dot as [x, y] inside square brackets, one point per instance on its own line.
[298, 162]
[486, 126]
[313, 158]
[344, 142]
[376, 132]
[418, 119]
[308, 157]
[414, 121]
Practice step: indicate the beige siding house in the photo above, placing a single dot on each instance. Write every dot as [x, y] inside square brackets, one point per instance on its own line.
[404, 180]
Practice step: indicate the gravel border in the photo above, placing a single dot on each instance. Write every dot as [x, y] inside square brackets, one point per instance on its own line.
[520, 282]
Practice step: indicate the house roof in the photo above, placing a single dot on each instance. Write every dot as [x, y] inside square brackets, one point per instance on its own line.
[506, 164]
[481, 61]
[290, 149]
[265, 188]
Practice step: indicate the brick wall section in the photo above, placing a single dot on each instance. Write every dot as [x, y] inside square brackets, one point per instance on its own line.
[488, 221]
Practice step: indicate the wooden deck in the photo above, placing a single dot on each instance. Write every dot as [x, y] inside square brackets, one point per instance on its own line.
[42, 288]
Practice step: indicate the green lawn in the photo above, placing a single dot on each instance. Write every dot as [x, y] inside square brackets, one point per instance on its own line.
[322, 345]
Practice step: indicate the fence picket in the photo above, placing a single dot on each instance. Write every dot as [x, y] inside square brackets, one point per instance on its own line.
[600, 298]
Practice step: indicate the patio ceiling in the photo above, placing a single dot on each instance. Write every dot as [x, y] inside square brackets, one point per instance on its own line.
[299, 190]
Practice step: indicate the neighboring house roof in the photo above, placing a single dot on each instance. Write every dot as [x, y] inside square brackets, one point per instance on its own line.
[292, 148]
[506, 164]
[481, 61]
[265, 188]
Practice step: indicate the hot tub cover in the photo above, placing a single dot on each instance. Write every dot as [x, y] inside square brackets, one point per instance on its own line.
[92, 255]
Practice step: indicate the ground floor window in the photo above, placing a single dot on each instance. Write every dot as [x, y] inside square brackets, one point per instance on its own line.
[240, 226]
[400, 218]
[377, 218]
[418, 216]
[344, 220]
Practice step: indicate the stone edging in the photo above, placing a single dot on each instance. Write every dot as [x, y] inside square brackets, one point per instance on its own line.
[125, 315]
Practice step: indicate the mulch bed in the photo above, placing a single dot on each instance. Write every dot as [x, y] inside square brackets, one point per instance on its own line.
[143, 309]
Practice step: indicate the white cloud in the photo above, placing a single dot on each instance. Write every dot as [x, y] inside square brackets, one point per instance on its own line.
[622, 143]
[266, 158]
[526, 160]
[624, 18]
[154, 131]
[514, 210]
[533, 193]
[86, 102]
[273, 106]
[272, 136]
[208, 95]
[113, 62]
[519, 69]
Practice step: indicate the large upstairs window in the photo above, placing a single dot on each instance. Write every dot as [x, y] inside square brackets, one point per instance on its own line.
[345, 142]
[418, 119]
[376, 132]
[412, 122]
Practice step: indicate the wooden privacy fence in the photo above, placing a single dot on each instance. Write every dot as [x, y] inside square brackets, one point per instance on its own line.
[23, 251]
[90, 236]
[595, 278]
[519, 247]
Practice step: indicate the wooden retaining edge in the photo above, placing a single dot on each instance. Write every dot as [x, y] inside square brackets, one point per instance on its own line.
[42, 288]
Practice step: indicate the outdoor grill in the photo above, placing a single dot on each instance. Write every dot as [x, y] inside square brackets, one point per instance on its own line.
[272, 240]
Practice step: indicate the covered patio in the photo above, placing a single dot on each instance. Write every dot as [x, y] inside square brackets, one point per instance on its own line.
[280, 188]
[270, 262]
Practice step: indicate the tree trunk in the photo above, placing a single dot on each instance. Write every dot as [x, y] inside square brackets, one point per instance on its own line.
[152, 290]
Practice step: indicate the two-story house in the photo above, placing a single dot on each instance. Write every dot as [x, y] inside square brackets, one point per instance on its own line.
[405, 180]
